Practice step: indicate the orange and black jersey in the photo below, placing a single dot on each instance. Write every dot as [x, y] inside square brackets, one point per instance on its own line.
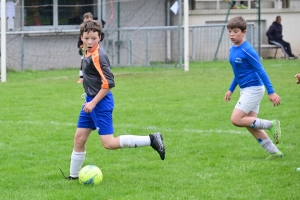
[96, 72]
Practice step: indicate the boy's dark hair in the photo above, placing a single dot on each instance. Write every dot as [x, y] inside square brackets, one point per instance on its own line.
[87, 15]
[91, 25]
[237, 22]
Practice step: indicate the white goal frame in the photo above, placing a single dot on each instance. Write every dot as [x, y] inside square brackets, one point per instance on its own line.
[3, 41]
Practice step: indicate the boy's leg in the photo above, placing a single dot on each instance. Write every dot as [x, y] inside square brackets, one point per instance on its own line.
[132, 141]
[78, 154]
[249, 102]
[262, 137]
[104, 124]
[240, 119]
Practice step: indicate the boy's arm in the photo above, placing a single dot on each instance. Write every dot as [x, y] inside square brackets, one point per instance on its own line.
[254, 60]
[233, 85]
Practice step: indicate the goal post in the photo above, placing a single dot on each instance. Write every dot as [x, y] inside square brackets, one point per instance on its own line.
[186, 35]
[3, 41]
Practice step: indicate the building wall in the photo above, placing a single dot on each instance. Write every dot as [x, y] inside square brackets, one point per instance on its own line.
[34, 51]
[59, 50]
[289, 16]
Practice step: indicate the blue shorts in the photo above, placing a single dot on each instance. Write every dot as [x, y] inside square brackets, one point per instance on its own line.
[101, 116]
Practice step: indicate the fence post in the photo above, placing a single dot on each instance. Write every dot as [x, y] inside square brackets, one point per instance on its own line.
[147, 49]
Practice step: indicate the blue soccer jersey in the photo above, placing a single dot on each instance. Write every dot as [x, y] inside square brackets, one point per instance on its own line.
[247, 68]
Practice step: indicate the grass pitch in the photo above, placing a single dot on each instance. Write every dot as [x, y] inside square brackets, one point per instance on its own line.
[206, 156]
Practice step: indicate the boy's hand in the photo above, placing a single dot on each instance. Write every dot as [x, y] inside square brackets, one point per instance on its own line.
[227, 96]
[298, 77]
[88, 107]
[275, 99]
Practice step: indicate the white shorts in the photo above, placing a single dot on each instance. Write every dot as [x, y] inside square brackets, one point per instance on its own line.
[250, 99]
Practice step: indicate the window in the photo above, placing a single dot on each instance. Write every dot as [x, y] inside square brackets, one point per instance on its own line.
[54, 13]
[38, 13]
[71, 12]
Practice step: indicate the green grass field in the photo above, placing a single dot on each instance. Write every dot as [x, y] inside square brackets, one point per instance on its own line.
[206, 156]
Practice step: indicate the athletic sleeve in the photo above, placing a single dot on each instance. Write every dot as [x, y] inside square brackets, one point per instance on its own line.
[101, 63]
[254, 60]
[107, 73]
[233, 85]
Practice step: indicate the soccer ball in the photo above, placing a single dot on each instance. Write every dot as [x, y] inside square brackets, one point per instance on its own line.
[90, 175]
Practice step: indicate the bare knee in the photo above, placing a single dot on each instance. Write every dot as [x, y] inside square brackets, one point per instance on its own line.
[109, 142]
[235, 122]
[108, 145]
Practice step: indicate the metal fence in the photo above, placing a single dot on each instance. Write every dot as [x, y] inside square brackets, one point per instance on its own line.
[142, 46]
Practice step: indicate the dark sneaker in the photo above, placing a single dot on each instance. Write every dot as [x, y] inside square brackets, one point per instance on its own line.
[293, 57]
[157, 144]
[71, 178]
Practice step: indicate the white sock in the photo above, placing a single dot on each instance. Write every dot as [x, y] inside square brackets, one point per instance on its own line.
[268, 145]
[130, 141]
[261, 124]
[77, 159]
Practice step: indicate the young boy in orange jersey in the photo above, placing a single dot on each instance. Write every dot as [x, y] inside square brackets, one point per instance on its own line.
[96, 113]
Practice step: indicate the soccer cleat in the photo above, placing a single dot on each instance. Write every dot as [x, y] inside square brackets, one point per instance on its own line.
[71, 178]
[243, 6]
[275, 155]
[157, 144]
[80, 80]
[276, 130]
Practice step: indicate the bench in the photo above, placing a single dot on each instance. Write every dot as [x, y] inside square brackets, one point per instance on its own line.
[269, 46]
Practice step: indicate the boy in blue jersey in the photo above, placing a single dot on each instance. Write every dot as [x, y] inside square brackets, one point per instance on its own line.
[96, 113]
[251, 77]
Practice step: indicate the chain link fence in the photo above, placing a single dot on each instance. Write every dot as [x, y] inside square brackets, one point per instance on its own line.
[144, 46]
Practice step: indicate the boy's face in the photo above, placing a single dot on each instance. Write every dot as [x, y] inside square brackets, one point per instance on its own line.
[87, 19]
[90, 40]
[236, 36]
